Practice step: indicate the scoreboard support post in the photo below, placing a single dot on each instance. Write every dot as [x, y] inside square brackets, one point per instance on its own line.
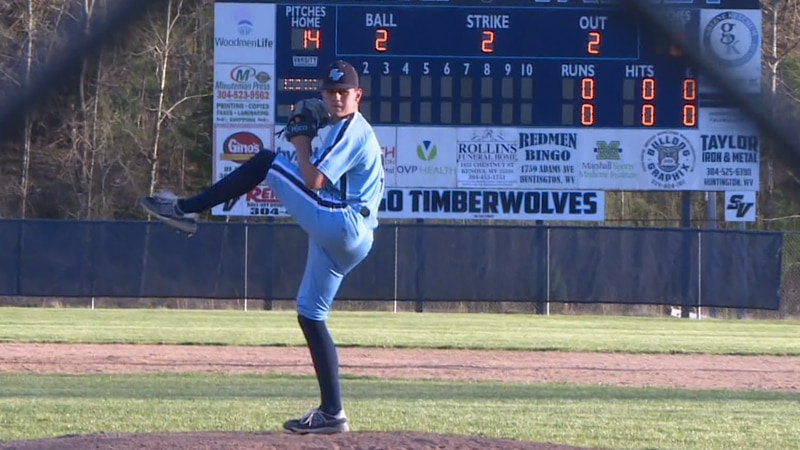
[686, 276]
[711, 223]
[741, 313]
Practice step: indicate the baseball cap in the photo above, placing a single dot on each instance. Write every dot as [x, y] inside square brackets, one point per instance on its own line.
[340, 75]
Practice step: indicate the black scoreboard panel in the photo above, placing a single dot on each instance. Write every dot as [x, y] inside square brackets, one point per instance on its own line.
[539, 63]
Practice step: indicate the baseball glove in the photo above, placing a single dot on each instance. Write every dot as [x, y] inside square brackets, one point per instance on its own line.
[308, 116]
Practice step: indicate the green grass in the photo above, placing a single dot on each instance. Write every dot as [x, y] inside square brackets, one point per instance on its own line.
[38, 406]
[404, 330]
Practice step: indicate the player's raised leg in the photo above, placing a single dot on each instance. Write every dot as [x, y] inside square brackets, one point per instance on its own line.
[336, 225]
[181, 214]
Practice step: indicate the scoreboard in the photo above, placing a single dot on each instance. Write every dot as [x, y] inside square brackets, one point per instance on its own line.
[513, 95]
[445, 64]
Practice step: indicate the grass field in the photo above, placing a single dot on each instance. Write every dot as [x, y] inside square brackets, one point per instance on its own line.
[33, 406]
[404, 330]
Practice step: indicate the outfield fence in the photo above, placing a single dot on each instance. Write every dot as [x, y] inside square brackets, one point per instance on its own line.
[411, 263]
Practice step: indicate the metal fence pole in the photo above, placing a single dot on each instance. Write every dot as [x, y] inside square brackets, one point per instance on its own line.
[270, 273]
[547, 256]
[419, 304]
[699, 275]
[396, 248]
[540, 236]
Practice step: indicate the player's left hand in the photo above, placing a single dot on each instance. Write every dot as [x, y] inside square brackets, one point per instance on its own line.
[308, 116]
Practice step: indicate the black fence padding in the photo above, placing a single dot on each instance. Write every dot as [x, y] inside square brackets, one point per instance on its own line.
[619, 265]
[470, 263]
[720, 268]
[9, 256]
[741, 269]
[210, 264]
[277, 257]
[55, 258]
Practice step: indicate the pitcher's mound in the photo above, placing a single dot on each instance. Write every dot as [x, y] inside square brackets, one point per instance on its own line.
[277, 441]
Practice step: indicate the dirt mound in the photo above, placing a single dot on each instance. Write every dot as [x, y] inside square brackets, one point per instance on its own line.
[276, 441]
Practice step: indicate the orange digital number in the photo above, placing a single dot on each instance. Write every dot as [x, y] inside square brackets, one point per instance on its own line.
[587, 114]
[487, 41]
[587, 109]
[593, 43]
[689, 109]
[689, 115]
[648, 115]
[689, 89]
[381, 39]
[311, 39]
[587, 88]
[648, 89]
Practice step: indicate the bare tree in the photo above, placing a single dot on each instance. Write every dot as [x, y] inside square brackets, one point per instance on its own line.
[26, 127]
[32, 24]
[781, 27]
[87, 143]
[176, 89]
[163, 51]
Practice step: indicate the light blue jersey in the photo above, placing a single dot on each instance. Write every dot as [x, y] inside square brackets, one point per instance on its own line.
[350, 159]
[341, 217]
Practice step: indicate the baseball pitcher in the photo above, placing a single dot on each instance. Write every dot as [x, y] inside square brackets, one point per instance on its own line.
[332, 194]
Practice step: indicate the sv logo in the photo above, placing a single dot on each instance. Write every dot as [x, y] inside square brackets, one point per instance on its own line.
[737, 203]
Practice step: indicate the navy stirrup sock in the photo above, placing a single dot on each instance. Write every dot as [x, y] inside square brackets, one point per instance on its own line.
[326, 363]
[239, 182]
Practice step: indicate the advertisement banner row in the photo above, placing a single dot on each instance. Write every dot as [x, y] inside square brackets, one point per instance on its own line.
[535, 159]
[234, 145]
[439, 163]
[585, 159]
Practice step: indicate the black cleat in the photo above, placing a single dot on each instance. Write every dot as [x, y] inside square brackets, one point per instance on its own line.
[164, 207]
[318, 422]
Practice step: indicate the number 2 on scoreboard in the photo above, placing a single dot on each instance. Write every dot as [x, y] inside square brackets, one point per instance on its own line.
[487, 41]
[381, 39]
[593, 43]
